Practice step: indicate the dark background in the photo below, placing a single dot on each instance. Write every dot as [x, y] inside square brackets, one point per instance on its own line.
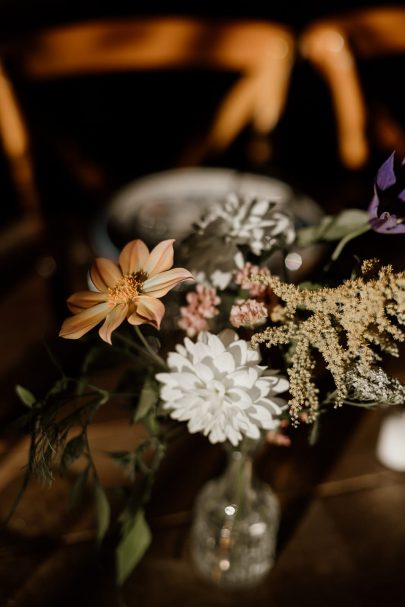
[92, 135]
[134, 124]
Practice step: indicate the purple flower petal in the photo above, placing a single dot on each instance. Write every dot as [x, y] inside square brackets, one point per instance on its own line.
[373, 207]
[386, 176]
[387, 224]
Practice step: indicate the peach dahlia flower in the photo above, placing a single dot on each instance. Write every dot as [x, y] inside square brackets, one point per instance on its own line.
[129, 290]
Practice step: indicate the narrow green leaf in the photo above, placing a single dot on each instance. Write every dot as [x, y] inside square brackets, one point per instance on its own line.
[73, 450]
[25, 396]
[334, 227]
[78, 489]
[151, 424]
[133, 545]
[102, 510]
[147, 399]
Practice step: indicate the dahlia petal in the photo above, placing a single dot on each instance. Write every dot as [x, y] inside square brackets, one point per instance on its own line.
[76, 326]
[135, 319]
[104, 274]
[160, 258]
[150, 309]
[161, 283]
[113, 320]
[133, 256]
[83, 300]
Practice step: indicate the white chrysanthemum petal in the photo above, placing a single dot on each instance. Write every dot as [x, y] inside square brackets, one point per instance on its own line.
[186, 380]
[225, 362]
[245, 376]
[215, 344]
[239, 397]
[181, 350]
[203, 372]
[217, 387]
[253, 431]
[166, 378]
[178, 361]
[263, 415]
[239, 351]
[276, 403]
[233, 436]
[216, 435]
[171, 393]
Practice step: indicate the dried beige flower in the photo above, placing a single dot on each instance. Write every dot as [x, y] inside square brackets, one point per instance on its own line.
[344, 324]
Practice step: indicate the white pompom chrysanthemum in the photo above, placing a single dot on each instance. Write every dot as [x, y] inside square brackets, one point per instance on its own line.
[218, 387]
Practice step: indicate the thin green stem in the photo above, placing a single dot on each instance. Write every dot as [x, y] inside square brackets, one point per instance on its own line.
[341, 245]
[146, 349]
[159, 361]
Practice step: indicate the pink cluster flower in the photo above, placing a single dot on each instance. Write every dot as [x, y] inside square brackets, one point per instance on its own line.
[201, 306]
[248, 313]
[242, 278]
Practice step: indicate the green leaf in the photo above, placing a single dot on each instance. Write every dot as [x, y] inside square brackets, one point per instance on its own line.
[333, 227]
[151, 424]
[102, 511]
[73, 450]
[133, 545]
[148, 397]
[78, 489]
[25, 396]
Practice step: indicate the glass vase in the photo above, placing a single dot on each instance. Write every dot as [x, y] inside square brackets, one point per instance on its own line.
[233, 536]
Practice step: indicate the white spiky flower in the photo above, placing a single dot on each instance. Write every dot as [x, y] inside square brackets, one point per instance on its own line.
[248, 220]
[218, 387]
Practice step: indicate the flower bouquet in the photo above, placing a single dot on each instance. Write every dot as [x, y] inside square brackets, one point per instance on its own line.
[243, 354]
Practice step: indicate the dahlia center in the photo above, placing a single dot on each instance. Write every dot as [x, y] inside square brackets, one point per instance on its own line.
[128, 288]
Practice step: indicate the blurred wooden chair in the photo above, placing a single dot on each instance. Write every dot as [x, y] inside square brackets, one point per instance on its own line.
[333, 45]
[262, 53]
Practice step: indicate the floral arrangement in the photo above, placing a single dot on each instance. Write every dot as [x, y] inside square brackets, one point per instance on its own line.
[247, 352]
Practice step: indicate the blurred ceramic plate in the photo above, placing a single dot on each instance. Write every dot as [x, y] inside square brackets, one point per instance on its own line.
[165, 205]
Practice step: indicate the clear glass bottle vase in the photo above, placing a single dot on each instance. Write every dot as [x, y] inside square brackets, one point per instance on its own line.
[234, 532]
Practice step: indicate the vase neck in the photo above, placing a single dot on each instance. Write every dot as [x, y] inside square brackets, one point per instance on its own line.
[238, 475]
